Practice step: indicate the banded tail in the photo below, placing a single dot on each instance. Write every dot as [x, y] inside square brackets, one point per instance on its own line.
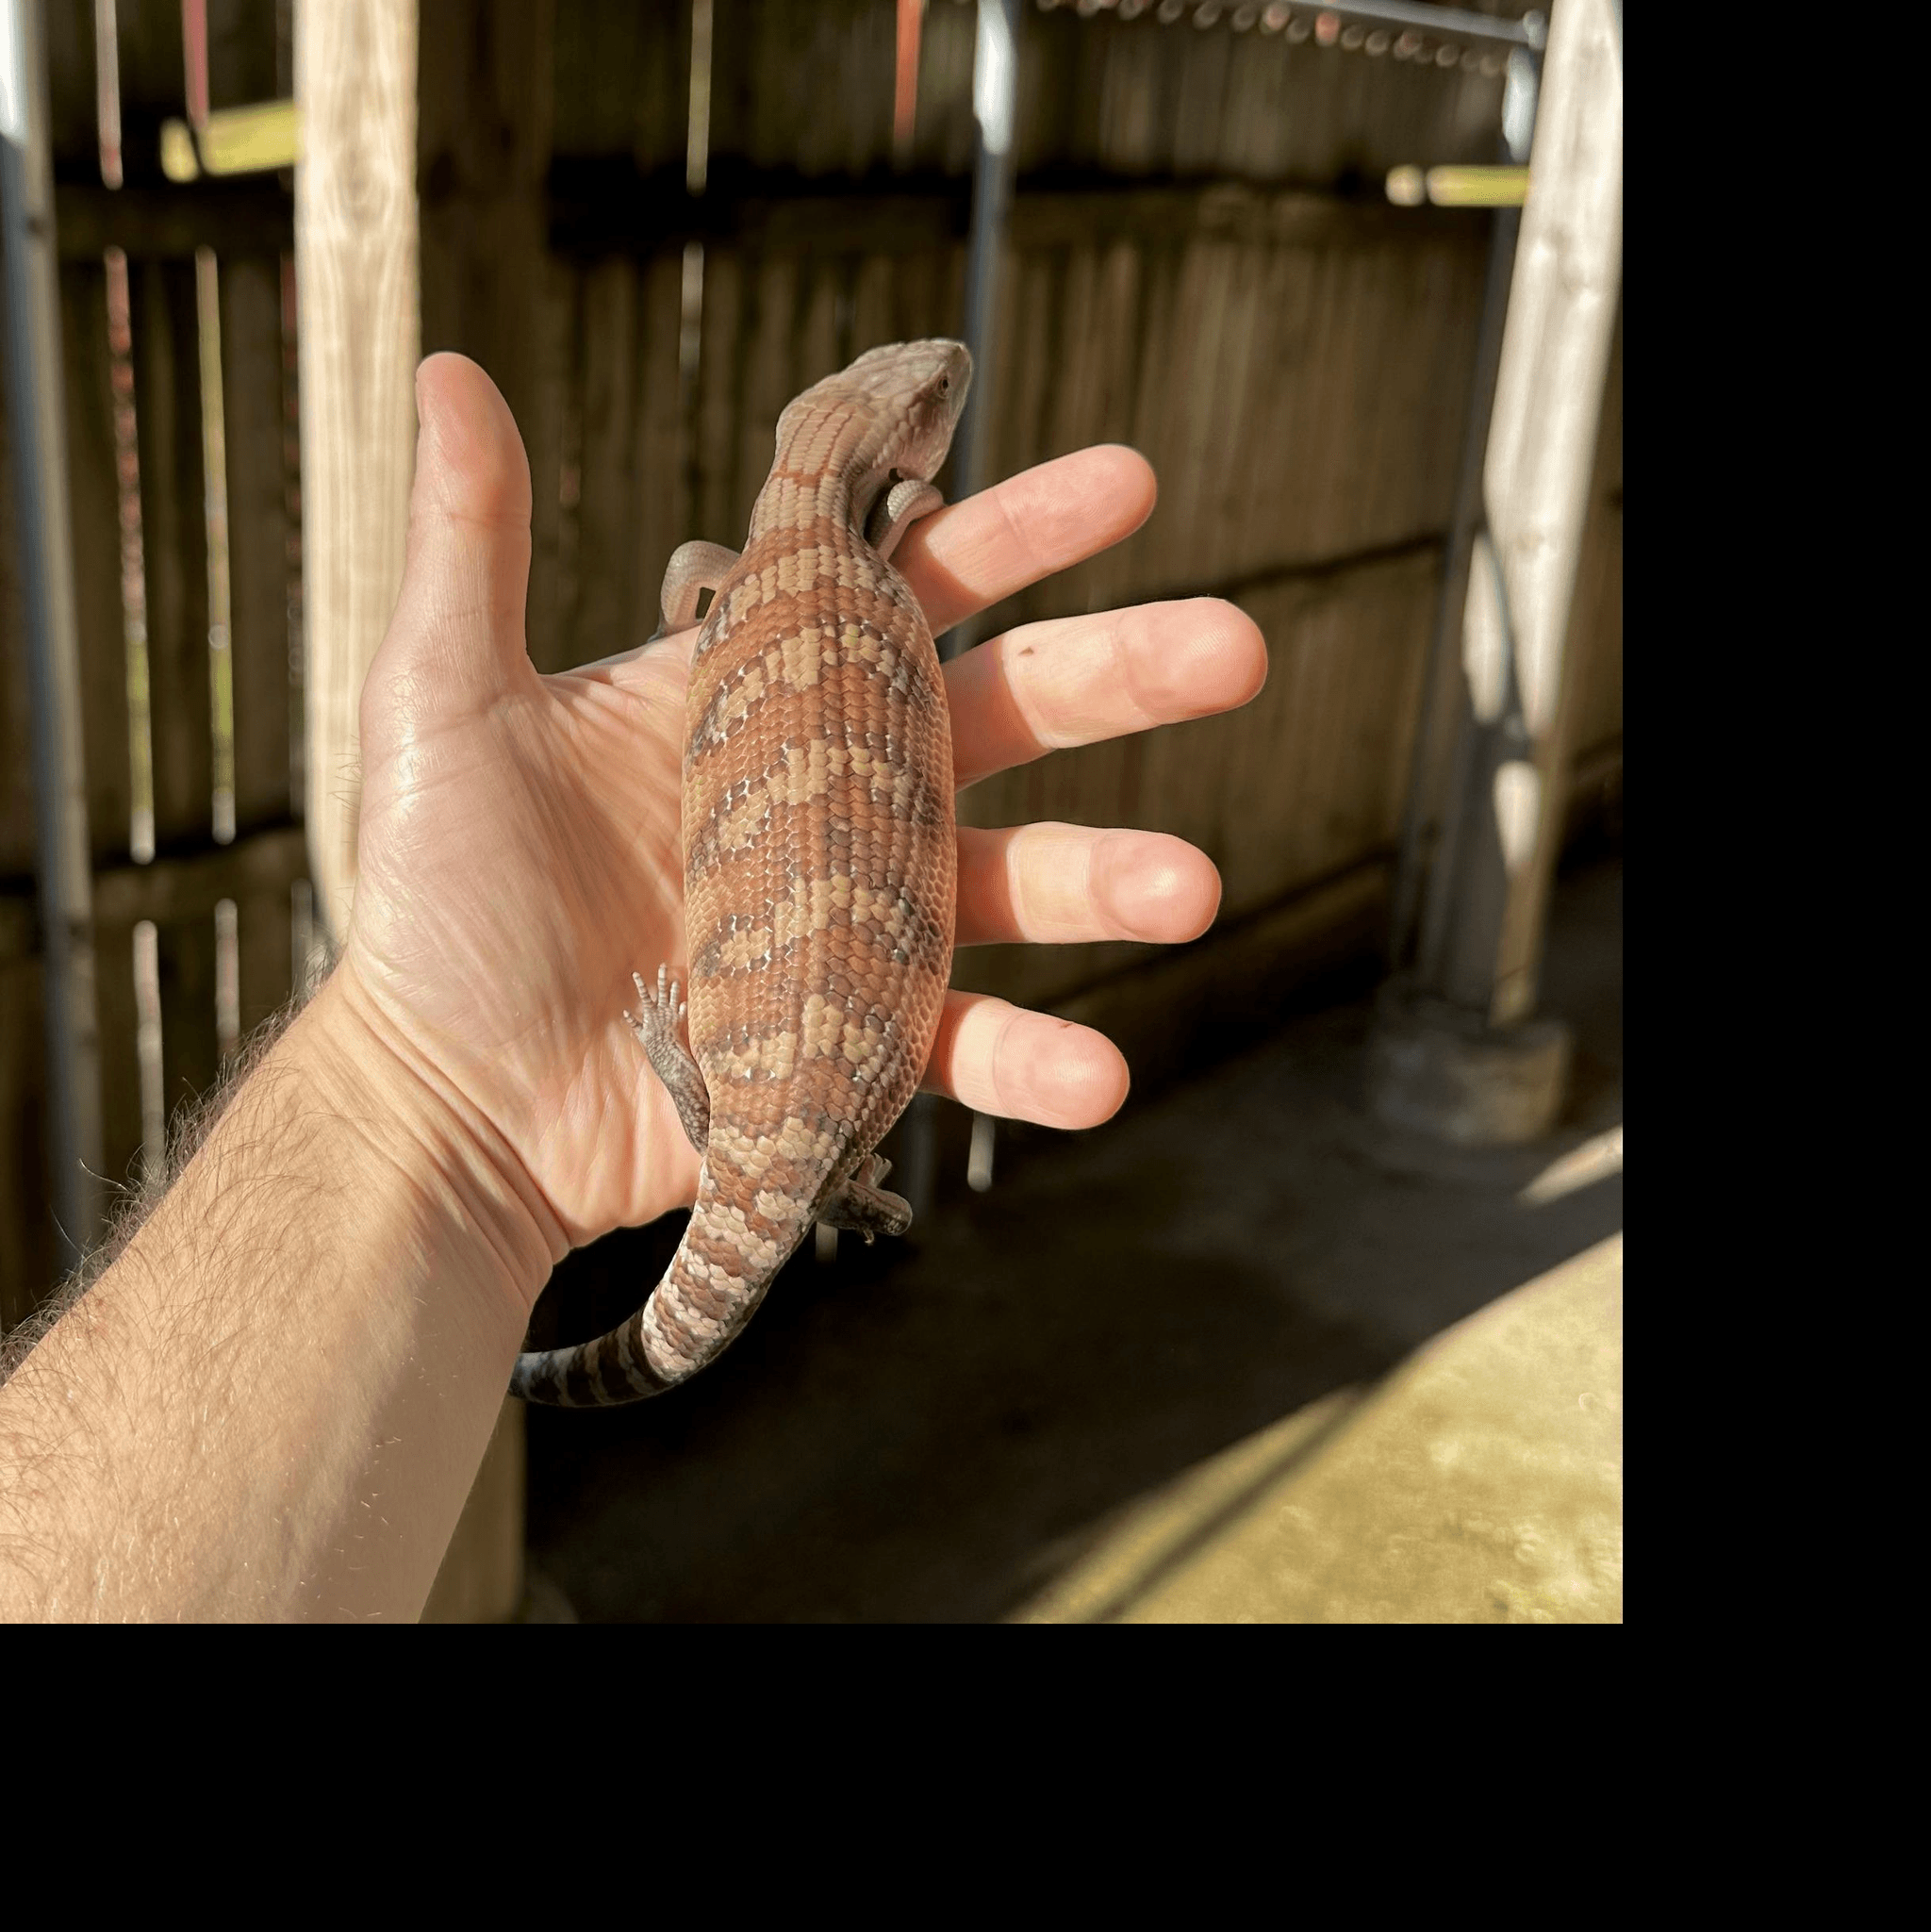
[740, 1235]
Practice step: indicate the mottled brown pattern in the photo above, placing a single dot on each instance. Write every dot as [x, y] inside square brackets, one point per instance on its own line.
[819, 864]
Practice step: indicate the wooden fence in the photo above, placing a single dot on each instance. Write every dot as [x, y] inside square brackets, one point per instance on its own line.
[176, 337]
[1199, 264]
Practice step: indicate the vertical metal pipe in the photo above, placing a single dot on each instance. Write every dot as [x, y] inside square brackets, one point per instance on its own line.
[1465, 517]
[995, 109]
[1482, 930]
[37, 434]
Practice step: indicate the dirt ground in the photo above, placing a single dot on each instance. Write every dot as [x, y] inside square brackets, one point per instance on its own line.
[1167, 1370]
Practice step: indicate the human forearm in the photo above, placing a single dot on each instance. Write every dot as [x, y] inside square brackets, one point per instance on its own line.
[274, 1401]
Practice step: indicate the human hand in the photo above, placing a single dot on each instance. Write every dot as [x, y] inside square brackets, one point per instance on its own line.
[519, 840]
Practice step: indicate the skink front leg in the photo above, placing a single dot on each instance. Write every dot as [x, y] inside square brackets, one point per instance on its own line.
[897, 511]
[656, 1023]
[694, 567]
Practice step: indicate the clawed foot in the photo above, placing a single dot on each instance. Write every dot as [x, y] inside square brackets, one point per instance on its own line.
[867, 1210]
[658, 1022]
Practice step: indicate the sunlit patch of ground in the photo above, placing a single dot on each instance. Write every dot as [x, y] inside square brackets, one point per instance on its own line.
[1481, 1482]
[1241, 1354]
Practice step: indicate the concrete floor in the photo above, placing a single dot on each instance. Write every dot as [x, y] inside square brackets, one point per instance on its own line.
[1239, 1356]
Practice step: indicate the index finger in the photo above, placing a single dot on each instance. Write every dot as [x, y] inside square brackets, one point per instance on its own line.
[1045, 518]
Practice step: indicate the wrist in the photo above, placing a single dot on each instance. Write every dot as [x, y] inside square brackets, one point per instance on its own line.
[476, 1205]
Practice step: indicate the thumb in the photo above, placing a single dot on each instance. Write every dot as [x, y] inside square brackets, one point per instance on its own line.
[458, 622]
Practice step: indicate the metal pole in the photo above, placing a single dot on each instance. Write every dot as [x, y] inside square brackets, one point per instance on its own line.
[995, 98]
[1465, 518]
[1458, 1052]
[994, 102]
[1482, 933]
[1410, 867]
[36, 433]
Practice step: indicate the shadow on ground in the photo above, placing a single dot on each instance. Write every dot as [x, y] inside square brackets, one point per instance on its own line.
[933, 1431]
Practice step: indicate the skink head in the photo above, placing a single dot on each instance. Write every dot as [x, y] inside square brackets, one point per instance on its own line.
[911, 394]
[919, 391]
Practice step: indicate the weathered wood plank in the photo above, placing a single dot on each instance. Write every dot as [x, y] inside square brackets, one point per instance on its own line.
[483, 150]
[487, 288]
[610, 570]
[240, 216]
[1597, 639]
[266, 954]
[820, 297]
[622, 81]
[720, 382]
[68, 35]
[771, 376]
[16, 718]
[241, 64]
[190, 1055]
[28, 1250]
[94, 505]
[251, 309]
[174, 546]
[942, 129]
[549, 419]
[597, 206]
[172, 888]
[94, 501]
[119, 1056]
[153, 82]
[661, 487]
[356, 257]
[185, 888]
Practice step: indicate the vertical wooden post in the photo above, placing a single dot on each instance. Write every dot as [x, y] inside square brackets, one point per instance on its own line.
[1494, 893]
[1457, 1053]
[355, 264]
[482, 155]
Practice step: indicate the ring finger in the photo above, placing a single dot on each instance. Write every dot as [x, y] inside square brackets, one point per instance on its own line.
[1064, 884]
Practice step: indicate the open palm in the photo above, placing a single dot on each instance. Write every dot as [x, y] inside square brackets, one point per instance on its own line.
[519, 851]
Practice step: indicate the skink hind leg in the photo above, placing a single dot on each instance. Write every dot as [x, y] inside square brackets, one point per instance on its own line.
[868, 1211]
[655, 1024]
[694, 567]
